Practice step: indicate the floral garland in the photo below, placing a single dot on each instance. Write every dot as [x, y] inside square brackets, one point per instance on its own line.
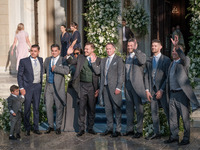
[137, 18]
[194, 42]
[102, 19]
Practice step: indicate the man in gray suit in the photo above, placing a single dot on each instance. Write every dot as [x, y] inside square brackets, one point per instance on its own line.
[180, 95]
[86, 85]
[155, 85]
[111, 71]
[134, 85]
[55, 69]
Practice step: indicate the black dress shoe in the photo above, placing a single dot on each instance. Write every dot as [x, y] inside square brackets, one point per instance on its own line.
[18, 136]
[12, 137]
[184, 142]
[116, 134]
[58, 131]
[27, 133]
[49, 130]
[170, 140]
[80, 133]
[91, 131]
[129, 133]
[155, 136]
[37, 132]
[137, 135]
[106, 133]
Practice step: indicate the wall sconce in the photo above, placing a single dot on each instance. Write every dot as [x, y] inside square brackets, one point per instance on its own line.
[175, 10]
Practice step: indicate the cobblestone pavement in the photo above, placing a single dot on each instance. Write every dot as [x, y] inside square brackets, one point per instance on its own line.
[69, 141]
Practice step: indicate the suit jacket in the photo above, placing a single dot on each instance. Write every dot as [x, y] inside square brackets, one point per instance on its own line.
[15, 103]
[181, 76]
[160, 75]
[25, 75]
[137, 73]
[79, 62]
[115, 76]
[128, 33]
[60, 70]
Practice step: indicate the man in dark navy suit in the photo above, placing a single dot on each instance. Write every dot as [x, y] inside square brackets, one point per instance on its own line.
[29, 79]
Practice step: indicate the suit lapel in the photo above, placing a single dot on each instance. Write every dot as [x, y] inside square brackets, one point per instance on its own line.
[104, 65]
[59, 61]
[31, 67]
[150, 65]
[160, 61]
[112, 62]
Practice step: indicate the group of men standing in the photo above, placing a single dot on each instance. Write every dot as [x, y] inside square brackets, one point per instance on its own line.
[156, 79]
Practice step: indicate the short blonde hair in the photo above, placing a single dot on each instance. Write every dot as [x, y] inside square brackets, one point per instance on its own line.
[20, 27]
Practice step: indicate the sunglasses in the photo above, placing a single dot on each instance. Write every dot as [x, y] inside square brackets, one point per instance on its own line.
[76, 53]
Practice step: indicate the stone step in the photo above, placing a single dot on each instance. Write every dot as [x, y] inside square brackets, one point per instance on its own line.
[195, 117]
[100, 109]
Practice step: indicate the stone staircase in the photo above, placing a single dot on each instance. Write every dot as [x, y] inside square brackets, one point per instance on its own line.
[100, 118]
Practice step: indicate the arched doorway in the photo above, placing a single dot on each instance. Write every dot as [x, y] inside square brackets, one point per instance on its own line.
[165, 15]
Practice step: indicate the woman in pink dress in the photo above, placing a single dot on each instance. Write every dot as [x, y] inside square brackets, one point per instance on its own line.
[22, 49]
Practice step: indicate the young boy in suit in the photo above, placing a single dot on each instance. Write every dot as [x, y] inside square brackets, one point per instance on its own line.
[14, 105]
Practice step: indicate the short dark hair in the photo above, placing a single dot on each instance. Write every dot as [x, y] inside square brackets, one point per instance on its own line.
[63, 25]
[123, 20]
[36, 46]
[13, 88]
[132, 40]
[55, 45]
[156, 41]
[111, 44]
[79, 49]
[91, 44]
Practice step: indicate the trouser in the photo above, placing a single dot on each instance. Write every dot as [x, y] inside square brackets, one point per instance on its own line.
[110, 108]
[133, 100]
[155, 110]
[87, 102]
[32, 96]
[125, 47]
[15, 123]
[179, 104]
[51, 98]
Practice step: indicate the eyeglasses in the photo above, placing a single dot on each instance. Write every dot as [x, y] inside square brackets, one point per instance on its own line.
[76, 53]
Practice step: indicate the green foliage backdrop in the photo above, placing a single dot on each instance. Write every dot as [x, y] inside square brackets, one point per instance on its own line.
[194, 42]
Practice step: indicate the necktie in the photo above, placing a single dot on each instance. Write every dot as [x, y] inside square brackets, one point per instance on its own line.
[154, 69]
[53, 61]
[35, 62]
[108, 63]
[154, 63]
[89, 61]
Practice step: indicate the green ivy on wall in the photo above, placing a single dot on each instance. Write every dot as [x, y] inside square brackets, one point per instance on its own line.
[194, 42]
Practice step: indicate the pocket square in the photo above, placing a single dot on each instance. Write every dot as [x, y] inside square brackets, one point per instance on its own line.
[115, 63]
[60, 65]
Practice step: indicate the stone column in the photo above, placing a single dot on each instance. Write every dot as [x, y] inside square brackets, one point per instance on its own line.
[60, 7]
[42, 28]
[78, 17]
[4, 33]
[145, 41]
[50, 26]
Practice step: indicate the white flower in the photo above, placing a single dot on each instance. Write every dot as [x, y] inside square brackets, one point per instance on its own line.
[101, 39]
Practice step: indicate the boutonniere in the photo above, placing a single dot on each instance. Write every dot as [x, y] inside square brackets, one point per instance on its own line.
[67, 79]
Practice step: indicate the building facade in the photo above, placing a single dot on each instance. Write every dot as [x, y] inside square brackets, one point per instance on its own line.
[42, 20]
